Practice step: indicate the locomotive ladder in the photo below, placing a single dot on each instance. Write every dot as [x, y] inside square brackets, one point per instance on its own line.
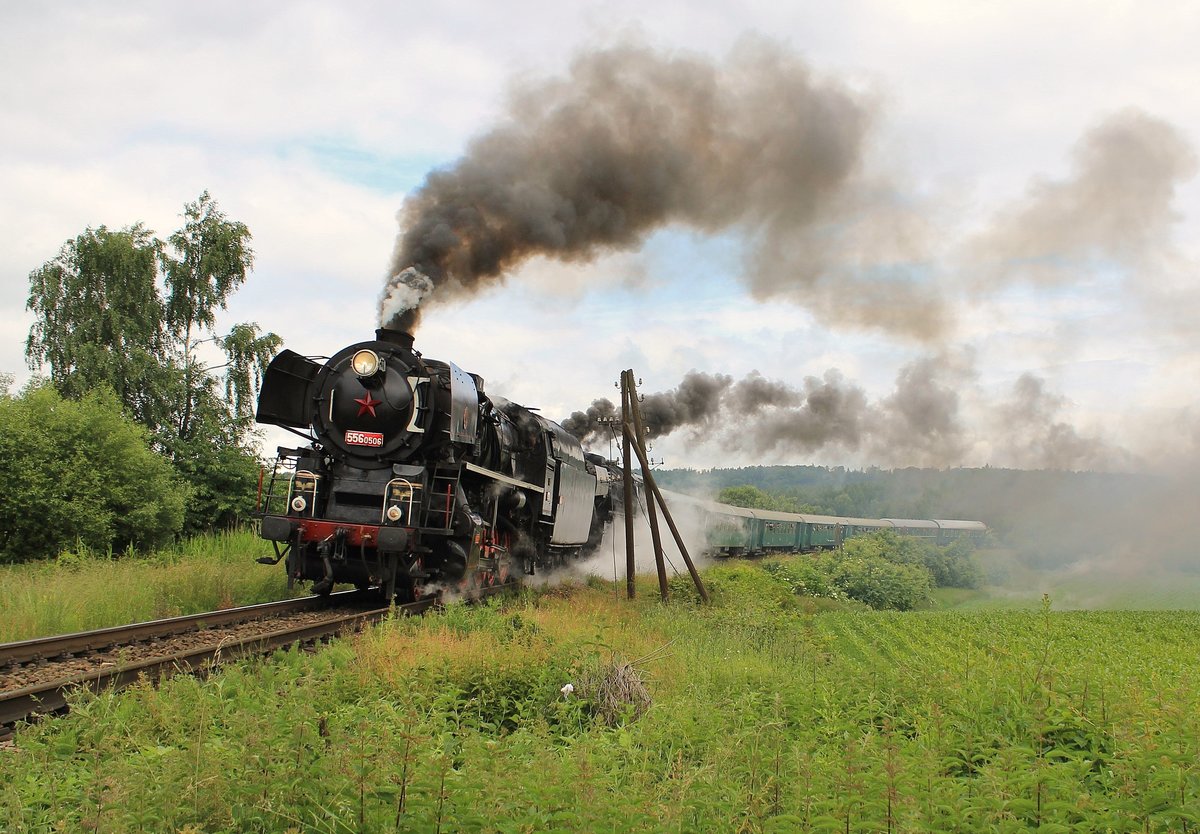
[439, 502]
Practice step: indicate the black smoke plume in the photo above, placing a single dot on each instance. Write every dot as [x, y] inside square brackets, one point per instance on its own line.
[632, 140]
[754, 413]
[693, 404]
[922, 422]
[587, 425]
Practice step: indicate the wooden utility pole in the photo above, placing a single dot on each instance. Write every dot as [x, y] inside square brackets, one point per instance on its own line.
[630, 563]
[633, 433]
[649, 479]
[651, 514]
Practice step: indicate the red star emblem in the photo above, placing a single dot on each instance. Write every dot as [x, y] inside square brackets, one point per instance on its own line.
[367, 405]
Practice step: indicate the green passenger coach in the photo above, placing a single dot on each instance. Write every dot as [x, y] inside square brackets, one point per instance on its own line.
[738, 531]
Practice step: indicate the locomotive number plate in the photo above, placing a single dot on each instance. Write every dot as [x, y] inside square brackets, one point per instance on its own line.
[373, 439]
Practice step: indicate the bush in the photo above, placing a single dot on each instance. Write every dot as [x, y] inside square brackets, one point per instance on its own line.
[950, 566]
[878, 582]
[956, 566]
[806, 576]
[737, 584]
[881, 570]
[222, 478]
[80, 472]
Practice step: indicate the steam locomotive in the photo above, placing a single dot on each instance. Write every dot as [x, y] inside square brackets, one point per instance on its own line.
[414, 478]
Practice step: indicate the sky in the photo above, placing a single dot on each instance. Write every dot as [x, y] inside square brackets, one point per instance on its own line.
[993, 263]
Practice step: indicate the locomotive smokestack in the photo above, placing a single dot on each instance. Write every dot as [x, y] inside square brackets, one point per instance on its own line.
[396, 337]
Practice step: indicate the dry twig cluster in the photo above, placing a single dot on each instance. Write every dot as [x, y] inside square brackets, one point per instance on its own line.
[617, 691]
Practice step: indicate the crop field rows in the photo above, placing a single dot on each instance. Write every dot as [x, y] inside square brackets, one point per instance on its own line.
[1002, 721]
[762, 719]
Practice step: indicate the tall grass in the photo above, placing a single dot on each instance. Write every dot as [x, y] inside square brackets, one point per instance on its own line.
[83, 589]
[764, 717]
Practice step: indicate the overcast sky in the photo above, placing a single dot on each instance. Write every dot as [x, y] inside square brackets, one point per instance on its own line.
[1023, 292]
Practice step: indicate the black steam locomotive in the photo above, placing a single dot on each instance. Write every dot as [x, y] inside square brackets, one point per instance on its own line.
[414, 478]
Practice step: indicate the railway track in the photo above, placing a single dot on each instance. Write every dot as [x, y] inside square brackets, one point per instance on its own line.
[37, 676]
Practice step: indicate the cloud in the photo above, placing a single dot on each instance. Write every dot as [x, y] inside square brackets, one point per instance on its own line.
[238, 77]
[1115, 210]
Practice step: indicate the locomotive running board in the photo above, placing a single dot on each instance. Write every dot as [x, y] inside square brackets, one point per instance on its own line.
[496, 476]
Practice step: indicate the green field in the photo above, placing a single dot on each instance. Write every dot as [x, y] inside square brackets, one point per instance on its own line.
[762, 717]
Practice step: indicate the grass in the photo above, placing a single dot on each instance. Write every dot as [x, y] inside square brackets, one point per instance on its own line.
[83, 590]
[763, 717]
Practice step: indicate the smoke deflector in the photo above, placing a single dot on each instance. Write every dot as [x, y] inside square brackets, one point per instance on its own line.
[285, 397]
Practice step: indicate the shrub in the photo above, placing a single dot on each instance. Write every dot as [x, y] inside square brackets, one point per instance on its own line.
[878, 582]
[950, 566]
[80, 472]
[804, 575]
[739, 585]
[222, 477]
[955, 566]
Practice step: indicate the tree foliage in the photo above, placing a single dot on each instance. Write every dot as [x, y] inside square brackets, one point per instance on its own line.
[878, 582]
[80, 471]
[209, 259]
[219, 466]
[248, 354]
[745, 496]
[754, 498]
[132, 313]
[950, 566]
[99, 321]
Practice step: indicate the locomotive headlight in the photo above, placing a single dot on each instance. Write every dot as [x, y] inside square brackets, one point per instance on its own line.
[366, 363]
[298, 503]
[394, 513]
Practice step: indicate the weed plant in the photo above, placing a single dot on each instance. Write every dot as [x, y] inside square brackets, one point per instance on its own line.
[763, 717]
[83, 589]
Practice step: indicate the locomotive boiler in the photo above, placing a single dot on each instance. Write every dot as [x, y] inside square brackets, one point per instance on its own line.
[413, 478]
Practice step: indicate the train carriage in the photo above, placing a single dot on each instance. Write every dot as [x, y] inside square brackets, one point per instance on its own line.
[736, 531]
[950, 531]
[821, 532]
[914, 527]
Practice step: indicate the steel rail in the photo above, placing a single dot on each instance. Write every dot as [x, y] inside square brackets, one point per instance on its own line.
[52, 697]
[39, 648]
